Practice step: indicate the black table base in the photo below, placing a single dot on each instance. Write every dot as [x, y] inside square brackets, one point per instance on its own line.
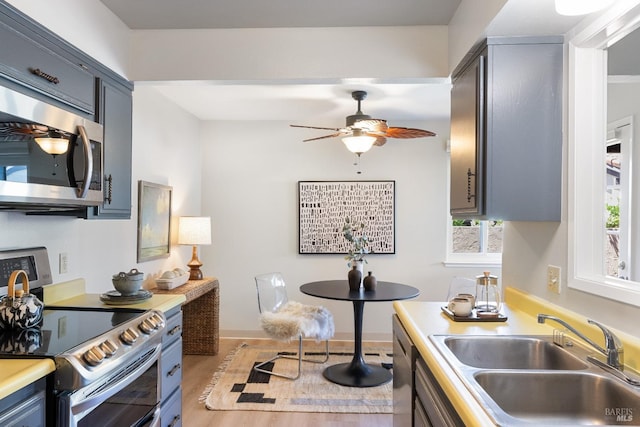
[360, 375]
[357, 373]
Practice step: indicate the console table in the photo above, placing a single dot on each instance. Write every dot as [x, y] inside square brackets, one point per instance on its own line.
[200, 313]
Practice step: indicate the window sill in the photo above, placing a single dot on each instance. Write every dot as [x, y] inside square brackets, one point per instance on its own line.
[473, 261]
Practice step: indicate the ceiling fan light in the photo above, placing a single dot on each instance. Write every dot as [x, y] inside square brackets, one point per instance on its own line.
[359, 144]
[580, 7]
[53, 146]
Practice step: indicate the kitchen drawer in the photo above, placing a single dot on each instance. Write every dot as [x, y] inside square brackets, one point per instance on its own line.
[28, 413]
[171, 369]
[401, 338]
[171, 411]
[173, 330]
[38, 68]
[420, 418]
[431, 398]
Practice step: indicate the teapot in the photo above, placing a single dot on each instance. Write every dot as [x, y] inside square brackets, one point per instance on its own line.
[20, 309]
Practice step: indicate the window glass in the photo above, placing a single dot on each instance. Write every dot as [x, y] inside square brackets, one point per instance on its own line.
[470, 236]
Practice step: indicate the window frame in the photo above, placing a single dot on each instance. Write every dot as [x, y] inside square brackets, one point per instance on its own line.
[587, 124]
[477, 259]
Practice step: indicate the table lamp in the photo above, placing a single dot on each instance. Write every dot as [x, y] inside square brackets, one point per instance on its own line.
[194, 230]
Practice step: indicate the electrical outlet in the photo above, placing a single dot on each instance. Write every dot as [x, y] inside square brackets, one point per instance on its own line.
[64, 263]
[62, 327]
[553, 279]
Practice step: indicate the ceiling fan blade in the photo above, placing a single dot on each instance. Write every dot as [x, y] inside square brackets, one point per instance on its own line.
[372, 125]
[313, 127]
[404, 133]
[380, 141]
[326, 136]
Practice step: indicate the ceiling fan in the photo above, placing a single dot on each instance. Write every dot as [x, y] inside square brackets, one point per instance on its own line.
[362, 132]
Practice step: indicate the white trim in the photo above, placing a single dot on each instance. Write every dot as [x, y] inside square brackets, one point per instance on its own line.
[586, 131]
[472, 263]
[472, 259]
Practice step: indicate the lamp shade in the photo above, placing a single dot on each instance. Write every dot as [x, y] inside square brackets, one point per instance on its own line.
[359, 144]
[51, 145]
[194, 230]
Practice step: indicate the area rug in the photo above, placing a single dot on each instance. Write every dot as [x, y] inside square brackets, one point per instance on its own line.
[236, 386]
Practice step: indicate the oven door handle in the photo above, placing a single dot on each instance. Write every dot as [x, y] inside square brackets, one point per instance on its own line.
[88, 163]
[128, 376]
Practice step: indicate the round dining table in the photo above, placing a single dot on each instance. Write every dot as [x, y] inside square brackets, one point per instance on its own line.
[358, 373]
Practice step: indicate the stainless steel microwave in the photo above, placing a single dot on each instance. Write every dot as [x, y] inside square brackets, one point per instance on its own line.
[50, 158]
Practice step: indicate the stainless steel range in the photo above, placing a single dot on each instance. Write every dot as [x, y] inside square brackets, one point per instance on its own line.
[107, 359]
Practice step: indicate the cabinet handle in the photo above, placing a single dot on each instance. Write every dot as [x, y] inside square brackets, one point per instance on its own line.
[173, 370]
[174, 421]
[174, 330]
[469, 195]
[47, 77]
[401, 346]
[109, 182]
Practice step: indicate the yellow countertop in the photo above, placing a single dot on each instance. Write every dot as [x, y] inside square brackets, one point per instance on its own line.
[156, 302]
[422, 319]
[73, 294]
[18, 373]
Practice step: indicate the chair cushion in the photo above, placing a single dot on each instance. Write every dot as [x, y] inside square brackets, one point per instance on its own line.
[294, 319]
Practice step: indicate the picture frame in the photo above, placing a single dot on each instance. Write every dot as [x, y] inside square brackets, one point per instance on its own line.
[154, 221]
[323, 207]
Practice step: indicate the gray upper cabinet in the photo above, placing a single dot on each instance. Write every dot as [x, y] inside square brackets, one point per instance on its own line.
[35, 61]
[115, 113]
[34, 66]
[506, 130]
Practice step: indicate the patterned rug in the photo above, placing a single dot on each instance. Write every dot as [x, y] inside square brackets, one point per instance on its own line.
[236, 386]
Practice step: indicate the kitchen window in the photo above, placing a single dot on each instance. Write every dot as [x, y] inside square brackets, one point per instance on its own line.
[474, 242]
[603, 201]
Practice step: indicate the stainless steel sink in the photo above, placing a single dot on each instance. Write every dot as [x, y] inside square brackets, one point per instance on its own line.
[575, 398]
[508, 352]
[530, 381]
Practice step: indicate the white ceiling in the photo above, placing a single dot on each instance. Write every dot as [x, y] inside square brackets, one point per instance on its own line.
[319, 103]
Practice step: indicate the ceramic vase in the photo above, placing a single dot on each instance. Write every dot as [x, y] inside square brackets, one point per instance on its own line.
[369, 283]
[355, 276]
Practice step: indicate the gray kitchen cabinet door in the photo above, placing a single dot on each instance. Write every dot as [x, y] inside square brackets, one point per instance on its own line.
[510, 130]
[115, 114]
[467, 130]
[36, 68]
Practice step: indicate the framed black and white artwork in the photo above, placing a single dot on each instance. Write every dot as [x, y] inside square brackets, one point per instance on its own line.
[324, 206]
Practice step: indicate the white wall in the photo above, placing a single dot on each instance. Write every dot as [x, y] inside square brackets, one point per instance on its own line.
[290, 53]
[468, 25]
[249, 187]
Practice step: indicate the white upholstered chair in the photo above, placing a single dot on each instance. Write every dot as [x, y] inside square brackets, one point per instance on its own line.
[286, 320]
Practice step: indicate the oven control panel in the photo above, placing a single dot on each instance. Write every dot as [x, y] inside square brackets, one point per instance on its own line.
[34, 261]
[123, 339]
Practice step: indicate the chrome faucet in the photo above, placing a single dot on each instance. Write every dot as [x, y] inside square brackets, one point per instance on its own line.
[613, 347]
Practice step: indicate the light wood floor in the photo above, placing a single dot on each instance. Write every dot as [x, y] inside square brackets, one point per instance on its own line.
[197, 373]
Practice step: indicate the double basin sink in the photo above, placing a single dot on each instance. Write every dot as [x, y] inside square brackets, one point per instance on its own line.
[529, 380]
